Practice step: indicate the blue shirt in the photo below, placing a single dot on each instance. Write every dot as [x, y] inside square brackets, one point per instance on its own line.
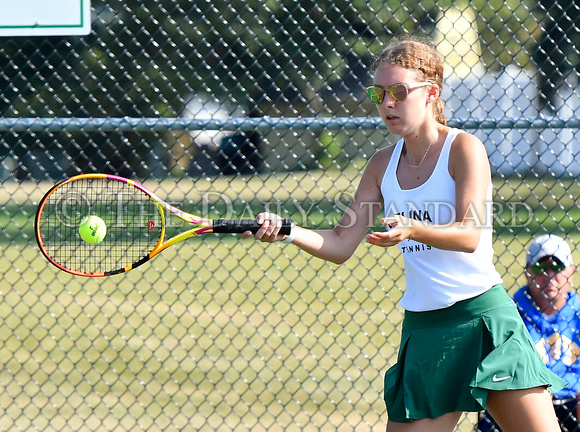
[557, 337]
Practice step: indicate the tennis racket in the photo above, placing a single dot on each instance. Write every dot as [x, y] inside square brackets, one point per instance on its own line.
[135, 220]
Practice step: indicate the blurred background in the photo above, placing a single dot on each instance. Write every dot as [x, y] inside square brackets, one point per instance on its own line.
[222, 334]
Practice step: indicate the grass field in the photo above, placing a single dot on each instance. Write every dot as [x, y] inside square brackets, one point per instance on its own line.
[222, 334]
[254, 341]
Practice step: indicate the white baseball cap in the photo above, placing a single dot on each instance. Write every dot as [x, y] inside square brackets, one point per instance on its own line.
[549, 245]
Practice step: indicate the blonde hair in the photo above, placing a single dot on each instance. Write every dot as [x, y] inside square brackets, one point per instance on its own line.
[411, 52]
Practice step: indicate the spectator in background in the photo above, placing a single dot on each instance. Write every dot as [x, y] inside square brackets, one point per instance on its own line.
[551, 311]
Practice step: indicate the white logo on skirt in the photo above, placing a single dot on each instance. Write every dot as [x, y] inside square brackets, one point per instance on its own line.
[495, 378]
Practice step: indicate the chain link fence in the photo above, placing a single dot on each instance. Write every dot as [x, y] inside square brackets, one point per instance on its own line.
[226, 108]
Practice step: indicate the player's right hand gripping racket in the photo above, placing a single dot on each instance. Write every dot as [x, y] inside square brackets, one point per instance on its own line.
[135, 220]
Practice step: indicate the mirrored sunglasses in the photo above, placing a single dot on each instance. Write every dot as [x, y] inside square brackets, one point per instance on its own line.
[542, 267]
[398, 92]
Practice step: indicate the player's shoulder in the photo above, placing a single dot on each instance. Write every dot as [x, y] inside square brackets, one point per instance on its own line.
[468, 154]
[379, 161]
[465, 142]
[383, 155]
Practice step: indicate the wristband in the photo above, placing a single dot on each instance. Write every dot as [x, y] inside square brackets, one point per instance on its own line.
[290, 236]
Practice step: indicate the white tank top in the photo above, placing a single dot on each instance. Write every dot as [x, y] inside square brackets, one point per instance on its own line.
[437, 278]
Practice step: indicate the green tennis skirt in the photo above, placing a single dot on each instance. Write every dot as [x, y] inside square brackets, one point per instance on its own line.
[450, 358]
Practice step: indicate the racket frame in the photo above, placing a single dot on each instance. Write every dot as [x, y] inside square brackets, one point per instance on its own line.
[202, 225]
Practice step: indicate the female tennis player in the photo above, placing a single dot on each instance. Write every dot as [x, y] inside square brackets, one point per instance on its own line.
[464, 346]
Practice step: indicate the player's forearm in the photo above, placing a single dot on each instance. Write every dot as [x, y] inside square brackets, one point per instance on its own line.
[329, 245]
[457, 236]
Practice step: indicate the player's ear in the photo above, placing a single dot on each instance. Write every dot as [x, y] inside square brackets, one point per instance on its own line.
[433, 91]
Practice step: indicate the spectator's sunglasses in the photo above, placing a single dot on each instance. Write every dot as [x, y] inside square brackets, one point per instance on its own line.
[542, 267]
[398, 92]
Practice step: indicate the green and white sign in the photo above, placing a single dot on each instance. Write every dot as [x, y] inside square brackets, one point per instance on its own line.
[45, 17]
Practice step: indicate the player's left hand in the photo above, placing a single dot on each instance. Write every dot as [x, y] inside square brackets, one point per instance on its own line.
[398, 228]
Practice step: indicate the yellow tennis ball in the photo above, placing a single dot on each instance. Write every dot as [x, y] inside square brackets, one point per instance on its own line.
[93, 229]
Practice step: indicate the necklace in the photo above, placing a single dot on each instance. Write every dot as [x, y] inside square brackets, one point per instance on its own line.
[425, 155]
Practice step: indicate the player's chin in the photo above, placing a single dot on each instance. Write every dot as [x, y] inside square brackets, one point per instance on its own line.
[396, 128]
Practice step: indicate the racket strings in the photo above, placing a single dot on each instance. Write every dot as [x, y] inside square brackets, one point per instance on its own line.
[133, 221]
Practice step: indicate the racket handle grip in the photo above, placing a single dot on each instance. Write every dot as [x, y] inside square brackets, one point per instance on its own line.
[238, 226]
